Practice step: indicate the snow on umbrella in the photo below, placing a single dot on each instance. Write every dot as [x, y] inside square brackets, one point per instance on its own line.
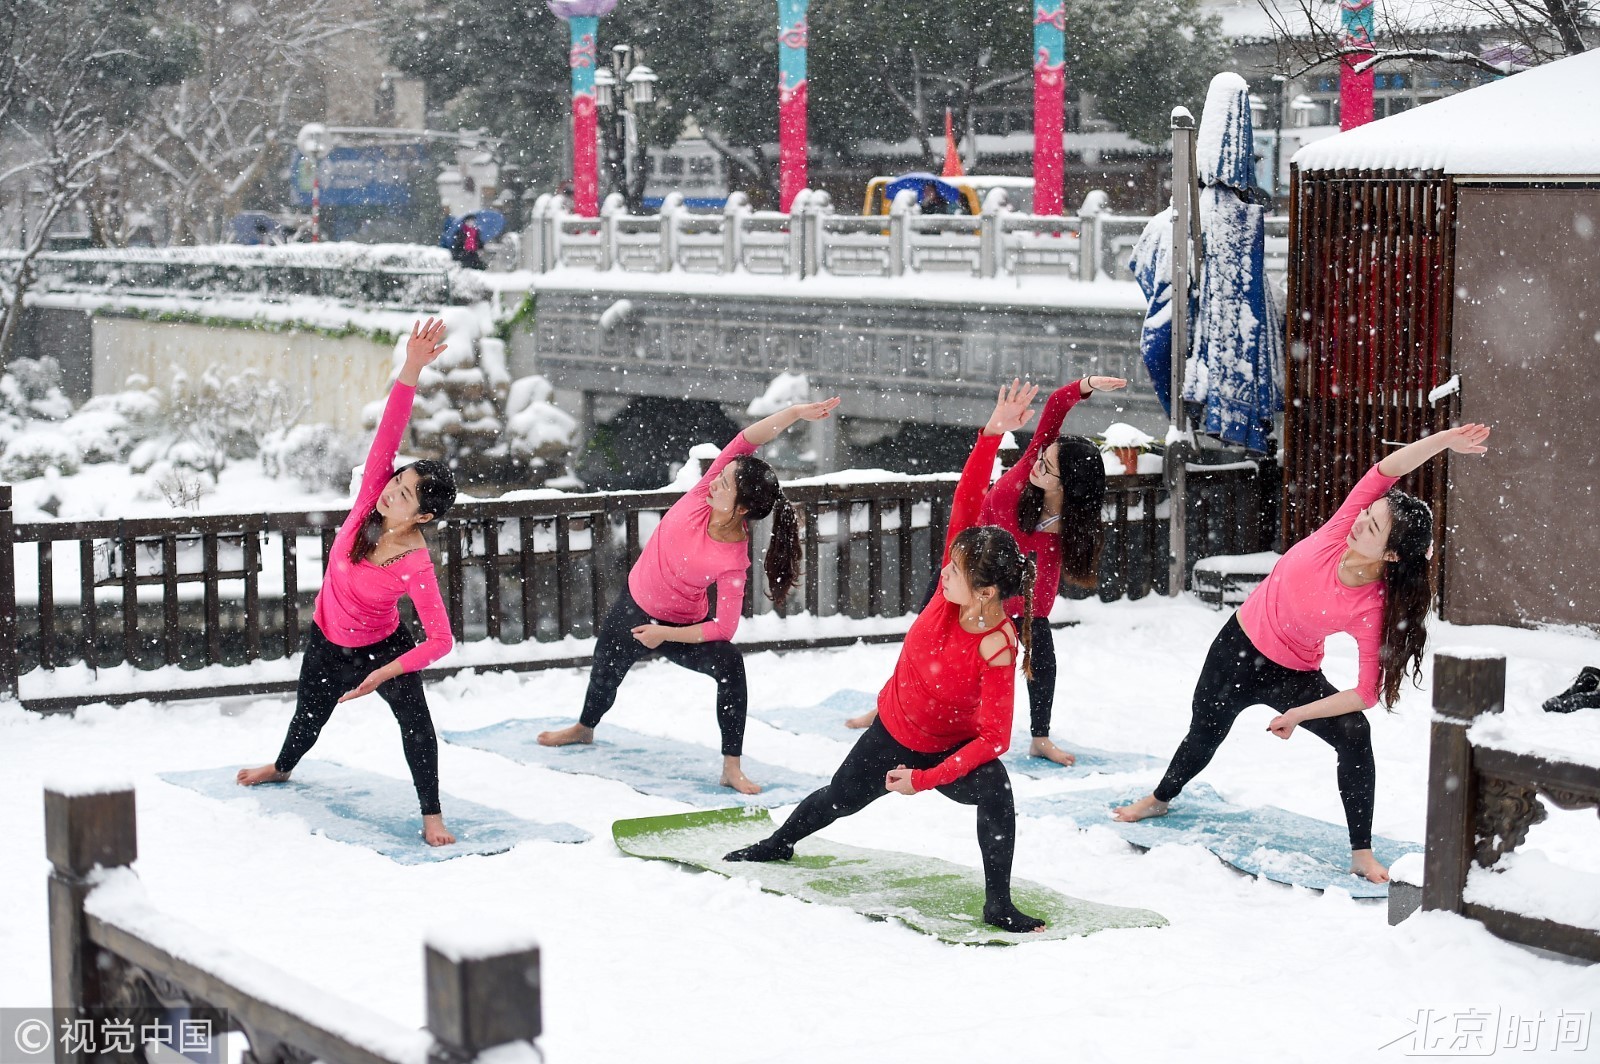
[1235, 365]
[566, 9]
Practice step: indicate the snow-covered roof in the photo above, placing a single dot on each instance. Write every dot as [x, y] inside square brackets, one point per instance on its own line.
[1249, 20]
[1541, 121]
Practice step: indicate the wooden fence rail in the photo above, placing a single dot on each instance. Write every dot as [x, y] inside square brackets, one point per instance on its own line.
[237, 589]
[113, 955]
[1481, 802]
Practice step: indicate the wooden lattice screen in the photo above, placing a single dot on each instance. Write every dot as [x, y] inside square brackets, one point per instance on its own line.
[1370, 276]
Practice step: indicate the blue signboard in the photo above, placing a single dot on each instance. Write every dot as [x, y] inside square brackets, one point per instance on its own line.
[360, 177]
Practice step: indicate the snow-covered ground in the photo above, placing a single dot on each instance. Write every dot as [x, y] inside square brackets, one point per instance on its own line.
[645, 961]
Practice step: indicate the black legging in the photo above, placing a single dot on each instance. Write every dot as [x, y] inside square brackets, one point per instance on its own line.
[859, 782]
[1237, 675]
[1042, 685]
[328, 670]
[616, 651]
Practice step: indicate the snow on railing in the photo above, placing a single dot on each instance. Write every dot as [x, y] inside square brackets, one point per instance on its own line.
[110, 945]
[814, 239]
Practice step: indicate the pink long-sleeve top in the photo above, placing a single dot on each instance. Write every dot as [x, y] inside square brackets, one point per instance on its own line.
[359, 603]
[1000, 505]
[1302, 601]
[943, 692]
[680, 561]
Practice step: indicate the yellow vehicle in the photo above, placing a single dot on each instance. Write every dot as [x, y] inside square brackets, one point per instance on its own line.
[947, 195]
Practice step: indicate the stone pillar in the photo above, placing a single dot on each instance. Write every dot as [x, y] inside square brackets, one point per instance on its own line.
[825, 444]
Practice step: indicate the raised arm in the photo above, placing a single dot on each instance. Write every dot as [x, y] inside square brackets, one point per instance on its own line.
[766, 430]
[1463, 439]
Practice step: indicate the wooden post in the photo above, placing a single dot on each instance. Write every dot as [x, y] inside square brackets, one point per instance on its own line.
[83, 830]
[479, 1002]
[8, 600]
[1183, 252]
[1463, 688]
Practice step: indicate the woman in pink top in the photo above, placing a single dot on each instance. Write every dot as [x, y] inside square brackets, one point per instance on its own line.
[702, 540]
[357, 644]
[1364, 572]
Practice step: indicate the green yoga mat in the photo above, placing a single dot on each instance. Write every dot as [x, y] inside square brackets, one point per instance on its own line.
[926, 894]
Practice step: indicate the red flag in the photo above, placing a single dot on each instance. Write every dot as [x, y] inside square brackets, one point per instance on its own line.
[952, 155]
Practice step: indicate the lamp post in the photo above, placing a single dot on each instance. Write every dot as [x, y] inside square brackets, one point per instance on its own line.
[583, 19]
[622, 93]
[313, 142]
[1280, 83]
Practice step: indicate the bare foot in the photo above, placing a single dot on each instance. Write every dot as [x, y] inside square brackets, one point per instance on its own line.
[434, 832]
[575, 733]
[1042, 747]
[249, 777]
[863, 721]
[733, 776]
[1143, 809]
[1362, 863]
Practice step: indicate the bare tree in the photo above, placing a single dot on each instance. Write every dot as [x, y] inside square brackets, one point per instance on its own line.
[204, 143]
[1527, 33]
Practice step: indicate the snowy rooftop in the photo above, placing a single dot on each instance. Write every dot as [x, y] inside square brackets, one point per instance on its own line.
[1541, 121]
[1249, 20]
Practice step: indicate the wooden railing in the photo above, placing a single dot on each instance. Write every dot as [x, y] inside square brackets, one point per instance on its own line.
[115, 958]
[1481, 802]
[238, 589]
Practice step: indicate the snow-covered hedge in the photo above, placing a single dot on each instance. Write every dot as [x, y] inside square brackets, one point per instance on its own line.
[35, 451]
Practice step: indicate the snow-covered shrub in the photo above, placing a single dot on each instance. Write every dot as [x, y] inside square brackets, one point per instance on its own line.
[181, 486]
[32, 388]
[228, 416]
[108, 427]
[33, 451]
[537, 428]
[319, 456]
[785, 390]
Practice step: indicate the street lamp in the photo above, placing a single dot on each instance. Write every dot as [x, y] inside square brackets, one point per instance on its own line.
[622, 109]
[313, 141]
[1280, 83]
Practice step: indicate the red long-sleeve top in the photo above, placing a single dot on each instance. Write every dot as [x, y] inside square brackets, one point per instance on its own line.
[1000, 505]
[942, 692]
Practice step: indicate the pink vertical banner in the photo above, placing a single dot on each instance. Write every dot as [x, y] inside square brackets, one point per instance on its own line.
[1355, 90]
[1049, 106]
[792, 30]
[583, 17]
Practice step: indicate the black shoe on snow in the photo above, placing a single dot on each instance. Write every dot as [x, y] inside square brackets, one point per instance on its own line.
[1573, 701]
[765, 850]
[1008, 917]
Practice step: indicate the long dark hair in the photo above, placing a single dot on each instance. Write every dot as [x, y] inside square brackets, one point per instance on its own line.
[1082, 473]
[990, 557]
[756, 489]
[436, 493]
[1407, 592]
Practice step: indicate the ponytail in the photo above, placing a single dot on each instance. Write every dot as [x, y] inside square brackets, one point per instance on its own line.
[756, 489]
[1030, 574]
[783, 552]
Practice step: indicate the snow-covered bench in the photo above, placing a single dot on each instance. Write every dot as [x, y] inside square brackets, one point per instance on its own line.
[113, 953]
[1225, 580]
[1486, 775]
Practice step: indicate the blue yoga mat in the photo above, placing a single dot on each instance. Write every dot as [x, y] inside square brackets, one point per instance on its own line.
[827, 718]
[376, 812]
[666, 768]
[1265, 841]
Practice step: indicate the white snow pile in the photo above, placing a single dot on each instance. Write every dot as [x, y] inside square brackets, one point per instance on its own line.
[785, 390]
[1121, 434]
[538, 428]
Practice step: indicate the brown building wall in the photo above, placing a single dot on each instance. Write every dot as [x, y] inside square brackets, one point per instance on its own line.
[1524, 542]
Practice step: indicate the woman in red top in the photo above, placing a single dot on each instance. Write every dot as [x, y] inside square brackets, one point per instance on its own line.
[702, 540]
[1050, 500]
[357, 644]
[944, 718]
